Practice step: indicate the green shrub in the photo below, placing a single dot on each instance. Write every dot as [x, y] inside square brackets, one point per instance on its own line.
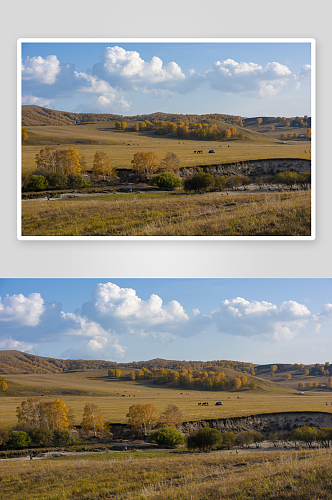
[286, 178]
[205, 439]
[228, 438]
[57, 180]
[220, 182]
[62, 437]
[41, 436]
[168, 436]
[166, 180]
[19, 439]
[199, 182]
[37, 183]
[75, 181]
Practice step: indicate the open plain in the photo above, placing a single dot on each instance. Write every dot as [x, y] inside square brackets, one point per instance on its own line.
[114, 397]
[252, 212]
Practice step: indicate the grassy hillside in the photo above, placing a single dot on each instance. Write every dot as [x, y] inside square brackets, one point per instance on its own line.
[171, 214]
[309, 374]
[37, 115]
[100, 134]
[114, 397]
[12, 361]
[120, 146]
[168, 474]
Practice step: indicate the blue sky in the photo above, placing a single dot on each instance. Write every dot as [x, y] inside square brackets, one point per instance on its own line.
[257, 320]
[247, 79]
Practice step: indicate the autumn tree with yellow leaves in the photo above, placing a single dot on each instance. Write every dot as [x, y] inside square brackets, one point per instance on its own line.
[102, 166]
[92, 419]
[63, 161]
[171, 417]
[145, 164]
[169, 164]
[24, 134]
[227, 133]
[237, 383]
[51, 415]
[143, 418]
[3, 384]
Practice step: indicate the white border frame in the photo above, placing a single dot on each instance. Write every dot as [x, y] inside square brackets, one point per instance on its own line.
[312, 41]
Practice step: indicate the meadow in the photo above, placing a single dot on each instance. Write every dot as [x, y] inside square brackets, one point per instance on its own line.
[171, 214]
[296, 475]
[121, 146]
[165, 214]
[164, 474]
[114, 397]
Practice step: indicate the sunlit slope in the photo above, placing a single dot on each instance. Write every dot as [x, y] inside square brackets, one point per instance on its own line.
[114, 397]
[121, 146]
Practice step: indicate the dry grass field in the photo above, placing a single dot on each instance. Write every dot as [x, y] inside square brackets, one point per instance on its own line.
[114, 397]
[171, 214]
[121, 146]
[165, 214]
[296, 475]
[164, 474]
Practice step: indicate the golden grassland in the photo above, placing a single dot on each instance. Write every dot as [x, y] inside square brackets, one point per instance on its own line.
[121, 146]
[171, 214]
[296, 475]
[114, 397]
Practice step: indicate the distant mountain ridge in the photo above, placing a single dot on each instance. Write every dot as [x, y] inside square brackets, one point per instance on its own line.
[12, 361]
[38, 115]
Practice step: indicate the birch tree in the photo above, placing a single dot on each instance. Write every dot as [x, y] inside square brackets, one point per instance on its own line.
[143, 417]
[92, 418]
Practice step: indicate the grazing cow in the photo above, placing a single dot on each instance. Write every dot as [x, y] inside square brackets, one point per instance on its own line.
[200, 404]
[195, 151]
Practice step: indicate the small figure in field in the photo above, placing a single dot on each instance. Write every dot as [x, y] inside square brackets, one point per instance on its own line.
[130, 190]
[31, 456]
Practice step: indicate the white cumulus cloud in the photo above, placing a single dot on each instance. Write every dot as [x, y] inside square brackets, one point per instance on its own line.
[261, 319]
[41, 70]
[234, 77]
[127, 70]
[21, 310]
[123, 311]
